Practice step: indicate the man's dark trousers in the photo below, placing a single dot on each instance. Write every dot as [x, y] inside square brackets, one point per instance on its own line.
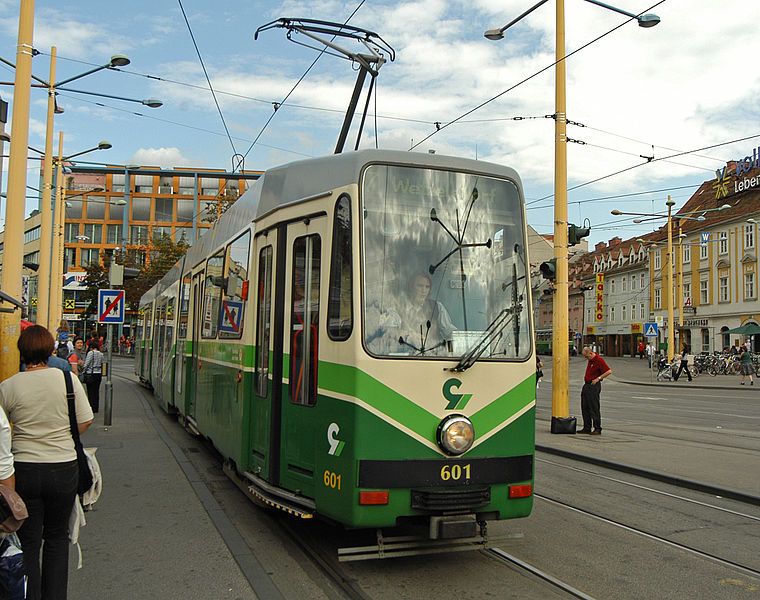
[592, 416]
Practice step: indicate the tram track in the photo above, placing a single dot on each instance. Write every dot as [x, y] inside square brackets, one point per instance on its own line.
[738, 567]
[510, 559]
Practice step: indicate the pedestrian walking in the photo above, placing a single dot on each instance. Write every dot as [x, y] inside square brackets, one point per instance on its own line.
[650, 353]
[642, 349]
[684, 366]
[539, 371]
[45, 460]
[746, 361]
[596, 370]
[92, 374]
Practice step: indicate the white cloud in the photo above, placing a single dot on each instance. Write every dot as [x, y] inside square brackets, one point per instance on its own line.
[161, 157]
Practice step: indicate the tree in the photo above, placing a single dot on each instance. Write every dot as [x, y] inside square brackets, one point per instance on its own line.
[97, 278]
[162, 252]
[220, 205]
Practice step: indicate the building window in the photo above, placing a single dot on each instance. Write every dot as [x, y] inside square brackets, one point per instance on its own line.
[749, 235]
[723, 289]
[113, 234]
[643, 281]
[624, 285]
[141, 209]
[633, 312]
[703, 251]
[706, 340]
[96, 208]
[749, 285]
[723, 242]
[704, 296]
[686, 292]
[641, 311]
[612, 286]
[657, 260]
[612, 314]
[624, 313]
[657, 298]
[686, 255]
[160, 232]
[88, 256]
[164, 209]
[94, 231]
[138, 235]
[69, 258]
[185, 210]
[70, 232]
[73, 208]
[32, 234]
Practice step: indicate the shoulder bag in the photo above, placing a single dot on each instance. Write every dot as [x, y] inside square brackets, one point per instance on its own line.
[85, 475]
[88, 376]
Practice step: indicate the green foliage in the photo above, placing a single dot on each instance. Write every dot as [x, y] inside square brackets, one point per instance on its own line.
[97, 278]
[163, 252]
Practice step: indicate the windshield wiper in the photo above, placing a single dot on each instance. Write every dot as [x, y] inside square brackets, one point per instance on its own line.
[505, 316]
[423, 338]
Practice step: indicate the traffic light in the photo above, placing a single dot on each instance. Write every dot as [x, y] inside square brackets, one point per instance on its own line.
[549, 269]
[575, 234]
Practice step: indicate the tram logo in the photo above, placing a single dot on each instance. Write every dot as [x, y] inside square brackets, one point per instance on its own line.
[336, 445]
[456, 401]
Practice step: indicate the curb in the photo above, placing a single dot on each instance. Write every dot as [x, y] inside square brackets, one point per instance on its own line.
[691, 484]
[676, 385]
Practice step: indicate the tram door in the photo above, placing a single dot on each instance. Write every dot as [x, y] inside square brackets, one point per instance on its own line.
[299, 330]
[196, 325]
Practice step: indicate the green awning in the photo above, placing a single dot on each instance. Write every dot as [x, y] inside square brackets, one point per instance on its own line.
[748, 329]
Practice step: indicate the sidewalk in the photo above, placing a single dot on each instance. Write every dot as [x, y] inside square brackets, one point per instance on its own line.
[150, 535]
[636, 371]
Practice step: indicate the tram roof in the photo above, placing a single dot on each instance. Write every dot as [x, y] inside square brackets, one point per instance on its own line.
[302, 179]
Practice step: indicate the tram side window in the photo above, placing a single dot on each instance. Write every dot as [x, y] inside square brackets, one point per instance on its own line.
[236, 286]
[340, 302]
[140, 321]
[184, 307]
[212, 295]
[304, 321]
[149, 322]
[169, 335]
[263, 320]
[160, 333]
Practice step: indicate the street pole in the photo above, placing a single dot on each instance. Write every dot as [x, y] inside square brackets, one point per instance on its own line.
[669, 285]
[13, 254]
[679, 285]
[56, 270]
[44, 280]
[560, 352]
[108, 404]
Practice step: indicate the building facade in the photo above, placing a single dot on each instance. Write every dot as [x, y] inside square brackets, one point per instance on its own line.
[118, 209]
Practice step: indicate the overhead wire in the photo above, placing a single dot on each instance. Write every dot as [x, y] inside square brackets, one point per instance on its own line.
[529, 77]
[208, 79]
[300, 79]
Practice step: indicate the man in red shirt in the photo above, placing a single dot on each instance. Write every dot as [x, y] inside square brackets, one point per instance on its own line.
[596, 370]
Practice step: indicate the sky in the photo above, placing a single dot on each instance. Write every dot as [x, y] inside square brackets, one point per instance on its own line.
[684, 92]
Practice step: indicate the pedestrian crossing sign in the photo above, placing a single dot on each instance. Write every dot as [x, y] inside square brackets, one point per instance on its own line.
[650, 329]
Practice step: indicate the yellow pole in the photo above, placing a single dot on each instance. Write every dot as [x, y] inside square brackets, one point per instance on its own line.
[56, 293]
[669, 284]
[679, 284]
[560, 374]
[46, 210]
[13, 254]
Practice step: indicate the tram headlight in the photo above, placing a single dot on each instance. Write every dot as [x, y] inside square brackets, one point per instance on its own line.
[456, 434]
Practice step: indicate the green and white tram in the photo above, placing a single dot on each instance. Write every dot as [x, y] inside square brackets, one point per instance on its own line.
[355, 337]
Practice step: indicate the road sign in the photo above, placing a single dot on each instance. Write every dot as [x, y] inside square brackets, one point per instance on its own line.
[232, 316]
[704, 238]
[69, 304]
[659, 320]
[111, 306]
[650, 329]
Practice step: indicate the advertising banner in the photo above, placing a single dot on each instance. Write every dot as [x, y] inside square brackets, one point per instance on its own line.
[599, 311]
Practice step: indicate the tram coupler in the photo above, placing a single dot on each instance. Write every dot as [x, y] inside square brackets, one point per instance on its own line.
[453, 526]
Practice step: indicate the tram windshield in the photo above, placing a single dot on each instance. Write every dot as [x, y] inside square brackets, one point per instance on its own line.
[444, 266]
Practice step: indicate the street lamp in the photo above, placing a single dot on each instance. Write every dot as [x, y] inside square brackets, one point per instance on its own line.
[560, 389]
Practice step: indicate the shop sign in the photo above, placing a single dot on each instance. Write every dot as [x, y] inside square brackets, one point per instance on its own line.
[743, 165]
[636, 328]
[695, 323]
[74, 280]
[599, 312]
[689, 310]
[590, 330]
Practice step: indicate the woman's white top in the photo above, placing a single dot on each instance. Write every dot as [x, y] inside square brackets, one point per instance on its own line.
[35, 402]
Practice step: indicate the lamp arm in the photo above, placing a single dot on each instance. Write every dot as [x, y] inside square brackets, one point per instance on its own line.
[613, 8]
[85, 74]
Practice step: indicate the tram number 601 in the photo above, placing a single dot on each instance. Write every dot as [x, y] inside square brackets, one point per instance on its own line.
[455, 472]
[332, 480]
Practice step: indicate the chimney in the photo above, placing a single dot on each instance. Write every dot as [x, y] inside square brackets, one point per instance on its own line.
[600, 246]
[615, 241]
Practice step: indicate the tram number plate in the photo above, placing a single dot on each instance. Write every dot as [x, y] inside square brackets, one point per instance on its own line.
[407, 473]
